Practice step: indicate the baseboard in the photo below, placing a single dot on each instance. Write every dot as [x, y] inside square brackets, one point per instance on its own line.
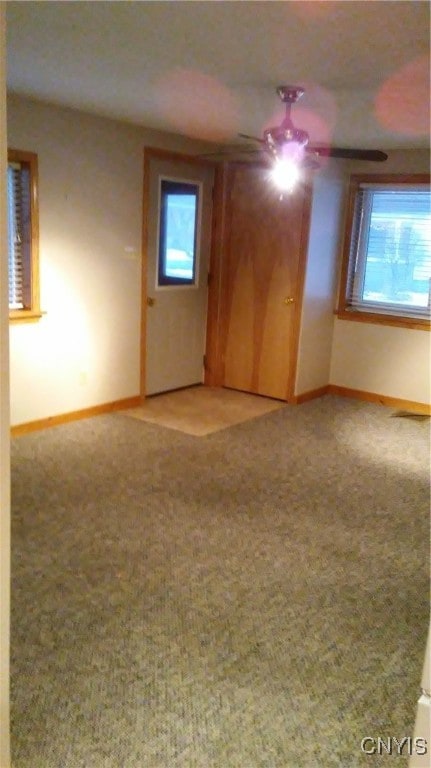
[373, 397]
[84, 413]
[310, 395]
[359, 394]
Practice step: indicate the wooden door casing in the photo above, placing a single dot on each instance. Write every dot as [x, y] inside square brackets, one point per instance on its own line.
[263, 265]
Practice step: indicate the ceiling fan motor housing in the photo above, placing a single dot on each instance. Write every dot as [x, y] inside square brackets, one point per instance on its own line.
[290, 94]
[276, 138]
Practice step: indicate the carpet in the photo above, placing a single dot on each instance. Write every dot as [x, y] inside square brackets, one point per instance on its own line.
[202, 410]
[254, 598]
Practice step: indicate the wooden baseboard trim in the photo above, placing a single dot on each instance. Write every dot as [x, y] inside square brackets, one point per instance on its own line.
[84, 413]
[373, 397]
[310, 395]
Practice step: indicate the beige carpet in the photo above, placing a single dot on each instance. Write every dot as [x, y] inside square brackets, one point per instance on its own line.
[202, 410]
[256, 598]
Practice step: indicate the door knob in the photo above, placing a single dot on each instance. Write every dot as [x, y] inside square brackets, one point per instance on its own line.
[150, 301]
[288, 300]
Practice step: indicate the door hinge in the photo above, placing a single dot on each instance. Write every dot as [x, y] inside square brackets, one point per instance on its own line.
[204, 360]
[209, 278]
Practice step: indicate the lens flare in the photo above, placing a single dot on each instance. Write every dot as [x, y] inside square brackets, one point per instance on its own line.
[285, 174]
[402, 105]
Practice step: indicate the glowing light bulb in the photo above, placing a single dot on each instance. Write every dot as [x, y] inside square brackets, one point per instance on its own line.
[285, 174]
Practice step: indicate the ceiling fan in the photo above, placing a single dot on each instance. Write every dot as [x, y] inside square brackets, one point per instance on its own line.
[286, 142]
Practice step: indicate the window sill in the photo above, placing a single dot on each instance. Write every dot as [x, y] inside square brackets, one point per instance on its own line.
[25, 316]
[380, 319]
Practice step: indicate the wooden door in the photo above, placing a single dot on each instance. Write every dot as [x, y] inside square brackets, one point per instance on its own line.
[263, 265]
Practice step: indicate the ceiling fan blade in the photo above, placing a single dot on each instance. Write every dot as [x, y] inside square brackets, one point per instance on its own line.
[251, 138]
[375, 155]
[233, 152]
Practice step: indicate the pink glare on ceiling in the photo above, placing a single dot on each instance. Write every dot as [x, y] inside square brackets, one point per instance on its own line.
[313, 11]
[402, 104]
[197, 105]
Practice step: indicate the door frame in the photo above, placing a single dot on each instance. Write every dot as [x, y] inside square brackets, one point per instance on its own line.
[155, 153]
[216, 327]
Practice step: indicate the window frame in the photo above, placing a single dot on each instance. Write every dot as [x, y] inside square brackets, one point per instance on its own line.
[163, 281]
[345, 311]
[32, 312]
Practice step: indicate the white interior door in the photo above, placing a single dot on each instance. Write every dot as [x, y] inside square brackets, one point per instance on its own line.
[179, 241]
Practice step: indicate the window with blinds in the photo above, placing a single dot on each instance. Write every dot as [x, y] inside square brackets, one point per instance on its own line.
[22, 234]
[388, 258]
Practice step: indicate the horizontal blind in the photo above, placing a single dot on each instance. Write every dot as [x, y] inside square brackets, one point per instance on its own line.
[390, 254]
[18, 193]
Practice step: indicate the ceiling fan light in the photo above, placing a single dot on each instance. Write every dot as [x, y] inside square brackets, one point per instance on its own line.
[291, 151]
[285, 174]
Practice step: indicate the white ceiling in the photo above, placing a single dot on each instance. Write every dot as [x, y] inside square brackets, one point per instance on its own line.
[209, 69]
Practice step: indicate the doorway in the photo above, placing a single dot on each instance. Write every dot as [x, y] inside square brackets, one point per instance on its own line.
[177, 224]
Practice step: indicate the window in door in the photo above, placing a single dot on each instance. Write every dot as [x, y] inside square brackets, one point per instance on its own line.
[178, 233]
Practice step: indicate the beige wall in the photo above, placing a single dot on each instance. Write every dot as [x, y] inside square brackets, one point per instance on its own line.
[4, 425]
[379, 358]
[86, 349]
[387, 360]
[317, 321]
